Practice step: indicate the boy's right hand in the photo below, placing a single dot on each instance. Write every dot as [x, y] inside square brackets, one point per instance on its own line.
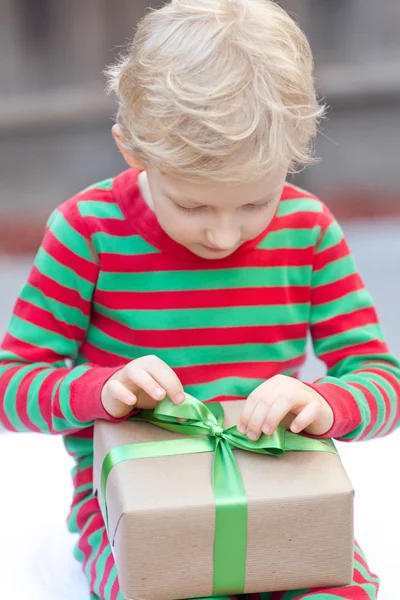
[140, 384]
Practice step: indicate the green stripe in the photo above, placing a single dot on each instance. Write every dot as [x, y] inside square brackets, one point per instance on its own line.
[227, 386]
[42, 338]
[205, 280]
[201, 355]
[79, 446]
[379, 380]
[34, 401]
[130, 245]
[241, 316]
[334, 271]
[94, 541]
[341, 306]
[363, 404]
[288, 238]
[10, 397]
[106, 184]
[62, 312]
[69, 237]
[101, 210]
[332, 236]
[298, 205]
[345, 384]
[100, 567]
[346, 339]
[67, 277]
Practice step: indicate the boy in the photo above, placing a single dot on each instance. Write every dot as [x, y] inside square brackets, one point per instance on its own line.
[199, 268]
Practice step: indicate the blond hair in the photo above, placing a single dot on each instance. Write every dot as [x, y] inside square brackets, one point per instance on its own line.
[218, 89]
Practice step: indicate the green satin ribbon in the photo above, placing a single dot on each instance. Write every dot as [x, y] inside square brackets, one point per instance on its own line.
[230, 495]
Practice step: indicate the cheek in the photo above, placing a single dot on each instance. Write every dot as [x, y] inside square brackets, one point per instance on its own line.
[257, 223]
[179, 227]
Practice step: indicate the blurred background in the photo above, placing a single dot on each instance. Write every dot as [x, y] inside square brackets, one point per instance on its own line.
[55, 118]
[55, 139]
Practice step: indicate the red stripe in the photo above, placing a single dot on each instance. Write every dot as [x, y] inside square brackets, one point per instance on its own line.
[83, 477]
[103, 545]
[47, 321]
[291, 193]
[87, 510]
[362, 561]
[250, 370]
[336, 289]
[396, 387]
[225, 399]
[106, 575]
[203, 373]
[209, 336]
[62, 254]
[330, 255]
[84, 544]
[388, 406]
[29, 352]
[5, 380]
[52, 289]
[21, 404]
[224, 298]
[95, 194]
[47, 407]
[373, 407]
[115, 589]
[345, 322]
[160, 262]
[350, 592]
[365, 348]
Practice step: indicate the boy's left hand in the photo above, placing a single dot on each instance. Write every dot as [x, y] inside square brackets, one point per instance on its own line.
[285, 400]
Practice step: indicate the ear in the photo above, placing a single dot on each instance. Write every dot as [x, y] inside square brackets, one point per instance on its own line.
[130, 159]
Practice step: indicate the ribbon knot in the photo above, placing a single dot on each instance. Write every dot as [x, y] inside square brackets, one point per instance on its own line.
[216, 430]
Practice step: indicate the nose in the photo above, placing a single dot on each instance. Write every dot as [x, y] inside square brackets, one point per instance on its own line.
[224, 237]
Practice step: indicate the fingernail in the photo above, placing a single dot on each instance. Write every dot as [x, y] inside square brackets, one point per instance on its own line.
[251, 435]
[159, 392]
[266, 429]
[179, 398]
[242, 429]
[295, 428]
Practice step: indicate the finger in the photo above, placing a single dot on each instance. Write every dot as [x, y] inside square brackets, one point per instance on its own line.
[250, 405]
[167, 379]
[120, 392]
[280, 408]
[258, 418]
[138, 377]
[308, 415]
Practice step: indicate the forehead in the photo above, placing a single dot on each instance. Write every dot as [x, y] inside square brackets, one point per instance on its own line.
[221, 194]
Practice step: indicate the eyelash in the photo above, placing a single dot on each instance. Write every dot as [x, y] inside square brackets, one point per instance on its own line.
[186, 210]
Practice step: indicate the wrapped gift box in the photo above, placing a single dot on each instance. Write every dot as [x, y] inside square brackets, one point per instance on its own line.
[161, 516]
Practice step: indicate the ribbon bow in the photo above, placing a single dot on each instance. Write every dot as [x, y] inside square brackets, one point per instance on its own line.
[207, 420]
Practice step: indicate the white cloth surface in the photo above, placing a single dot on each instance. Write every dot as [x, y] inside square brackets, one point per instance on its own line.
[36, 561]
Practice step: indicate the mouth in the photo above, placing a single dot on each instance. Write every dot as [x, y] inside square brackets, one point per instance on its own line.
[217, 250]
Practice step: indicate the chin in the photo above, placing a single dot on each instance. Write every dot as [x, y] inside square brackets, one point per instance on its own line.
[211, 254]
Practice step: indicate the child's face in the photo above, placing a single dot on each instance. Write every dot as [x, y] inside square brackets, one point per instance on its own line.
[212, 220]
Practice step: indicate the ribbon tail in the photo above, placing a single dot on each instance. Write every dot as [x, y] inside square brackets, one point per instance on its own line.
[230, 542]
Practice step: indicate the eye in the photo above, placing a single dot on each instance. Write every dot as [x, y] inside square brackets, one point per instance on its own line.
[257, 206]
[187, 210]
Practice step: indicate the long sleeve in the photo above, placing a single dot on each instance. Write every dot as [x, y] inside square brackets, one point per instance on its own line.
[50, 320]
[362, 384]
